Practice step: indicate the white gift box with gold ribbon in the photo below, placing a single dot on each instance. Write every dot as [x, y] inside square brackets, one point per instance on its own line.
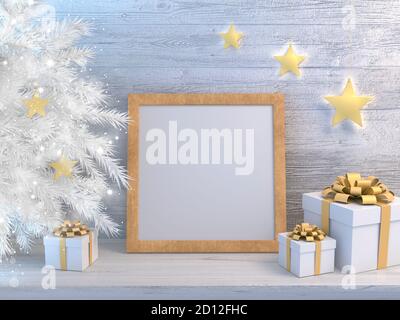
[72, 254]
[368, 236]
[304, 258]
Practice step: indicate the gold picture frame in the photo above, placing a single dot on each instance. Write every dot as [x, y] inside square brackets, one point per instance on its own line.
[134, 244]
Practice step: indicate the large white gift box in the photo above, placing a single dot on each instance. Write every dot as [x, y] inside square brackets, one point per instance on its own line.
[73, 254]
[357, 229]
[301, 258]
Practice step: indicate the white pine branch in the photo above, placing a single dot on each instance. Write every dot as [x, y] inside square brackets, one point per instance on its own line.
[66, 33]
[31, 201]
[79, 56]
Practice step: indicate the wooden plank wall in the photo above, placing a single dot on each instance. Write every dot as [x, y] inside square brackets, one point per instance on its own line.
[173, 46]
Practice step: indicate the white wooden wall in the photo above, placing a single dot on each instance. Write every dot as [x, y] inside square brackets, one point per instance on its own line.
[173, 46]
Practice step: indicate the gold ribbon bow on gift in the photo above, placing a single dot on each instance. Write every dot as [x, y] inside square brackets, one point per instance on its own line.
[310, 233]
[367, 191]
[353, 187]
[71, 229]
[307, 232]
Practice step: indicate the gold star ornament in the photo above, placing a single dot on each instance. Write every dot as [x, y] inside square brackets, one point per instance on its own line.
[290, 62]
[348, 105]
[232, 37]
[63, 168]
[36, 105]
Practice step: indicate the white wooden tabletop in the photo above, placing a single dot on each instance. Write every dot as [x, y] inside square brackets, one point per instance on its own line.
[118, 275]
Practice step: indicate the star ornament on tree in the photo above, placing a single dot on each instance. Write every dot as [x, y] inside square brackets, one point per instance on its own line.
[36, 105]
[232, 37]
[63, 168]
[290, 62]
[348, 105]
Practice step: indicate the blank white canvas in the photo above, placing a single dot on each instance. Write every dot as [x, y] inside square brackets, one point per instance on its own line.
[207, 202]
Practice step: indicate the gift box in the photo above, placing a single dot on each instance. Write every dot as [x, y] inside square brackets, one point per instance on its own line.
[306, 258]
[357, 230]
[367, 230]
[74, 251]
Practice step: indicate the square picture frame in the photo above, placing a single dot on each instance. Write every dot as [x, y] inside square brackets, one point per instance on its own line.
[136, 242]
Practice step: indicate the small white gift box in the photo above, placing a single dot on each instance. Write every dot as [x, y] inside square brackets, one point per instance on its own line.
[303, 259]
[362, 243]
[73, 254]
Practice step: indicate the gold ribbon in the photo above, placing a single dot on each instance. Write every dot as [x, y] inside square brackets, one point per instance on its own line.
[384, 232]
[366, 191]
[325, 215]
[317, 259]
[310, 233]
[63, 254]
[90, 247]
[288, 257]
[70, 229]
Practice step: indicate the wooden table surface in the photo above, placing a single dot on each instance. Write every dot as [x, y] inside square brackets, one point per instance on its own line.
[117, 275]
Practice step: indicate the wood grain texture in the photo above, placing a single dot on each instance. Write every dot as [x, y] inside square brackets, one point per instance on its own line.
[171, 46]
[135, 102]
[262, 12]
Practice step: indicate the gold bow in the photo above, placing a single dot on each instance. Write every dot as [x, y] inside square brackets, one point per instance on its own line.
[353, 187]
[307, 232]
[70, 229]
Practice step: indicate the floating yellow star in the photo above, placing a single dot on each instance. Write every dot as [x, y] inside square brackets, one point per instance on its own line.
[36, 105]
[290, 61]
[63, 167]
[232, 38]
[348, 105]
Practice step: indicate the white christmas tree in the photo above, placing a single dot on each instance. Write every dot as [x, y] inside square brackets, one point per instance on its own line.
[52, 163]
